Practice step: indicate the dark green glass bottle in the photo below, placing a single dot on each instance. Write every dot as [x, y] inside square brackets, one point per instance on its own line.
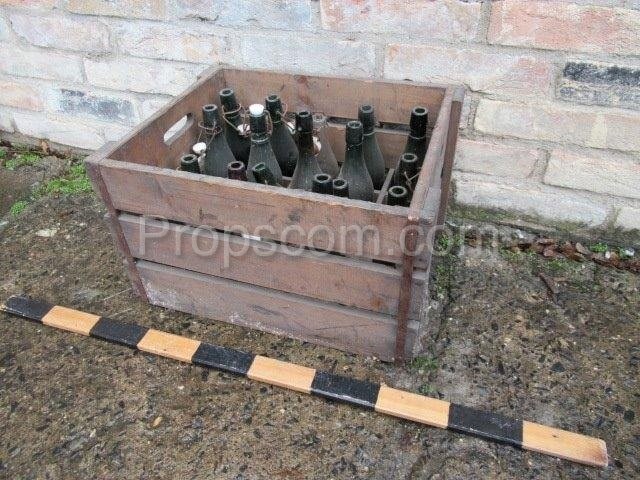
[417, 139]
[189, 163]
[282, 142]
[261, 151]
[326, 158]
[373, 158]
[406, 173]
[398, 195]
[322, 184]
[307, 165]
[237, 171]
[218, 154]
[354, 169]
[264, 175]
[239, 142]
[340, 187]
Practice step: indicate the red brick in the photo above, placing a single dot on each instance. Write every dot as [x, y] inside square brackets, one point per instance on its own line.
[447, 19]
[559, 25]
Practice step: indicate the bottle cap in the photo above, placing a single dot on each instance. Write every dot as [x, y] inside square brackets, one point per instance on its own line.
[353, 134]
[418, 122]
[304, 122]
[256, 109]
[199, 148]
[367, 117]
[210, 115]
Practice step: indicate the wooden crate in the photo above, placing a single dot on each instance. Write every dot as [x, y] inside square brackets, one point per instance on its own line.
[364, 297]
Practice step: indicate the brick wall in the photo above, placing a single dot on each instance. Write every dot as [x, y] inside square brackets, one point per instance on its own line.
[551, 125]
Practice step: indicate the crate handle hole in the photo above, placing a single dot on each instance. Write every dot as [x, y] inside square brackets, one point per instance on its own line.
[177, 129]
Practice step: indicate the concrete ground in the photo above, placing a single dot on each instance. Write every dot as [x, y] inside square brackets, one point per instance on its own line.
[75, 407]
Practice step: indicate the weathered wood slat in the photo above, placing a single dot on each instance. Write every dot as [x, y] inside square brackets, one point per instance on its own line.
[338, 97]
[288, 315]
[349, 282]
[296, 217]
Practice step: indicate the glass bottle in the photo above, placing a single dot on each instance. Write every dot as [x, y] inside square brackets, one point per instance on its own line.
[238, 140]
[372, 155]
[237, 171]
[218, 154]
[326, 158]
[282, 142]
[340, 187]
[406, 173]
[261, 151]
[189, 163]
[264, 175]
[354, 169]
[307, 165]
[417, 139]
[322, 184]
[398, 195]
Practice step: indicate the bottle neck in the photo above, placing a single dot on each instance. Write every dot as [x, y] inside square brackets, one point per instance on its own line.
[354, 153]
[305, 144]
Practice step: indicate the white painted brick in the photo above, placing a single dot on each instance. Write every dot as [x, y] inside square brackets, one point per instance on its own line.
[6, 120]
[92, 103]
[151, 9]
[313, 55]
[115, 133]
[73, 133]
[481, 70]
[20, 95]
[273, 14]
[603, 174]
[444, 19]
[530, 199]
[495, 159]
[590, 127]
[30, 4]
[22, 62]
[4, 30]
[152, 105]
[628, 218]
[138, 75]
[168, 42]
[62, 32]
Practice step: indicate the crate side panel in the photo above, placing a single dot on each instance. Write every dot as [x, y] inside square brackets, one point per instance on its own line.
[338, 97]
[281, 314]
[293, 216]
[332, 278]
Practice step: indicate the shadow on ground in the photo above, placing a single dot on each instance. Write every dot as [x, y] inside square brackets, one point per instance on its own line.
[74, 407]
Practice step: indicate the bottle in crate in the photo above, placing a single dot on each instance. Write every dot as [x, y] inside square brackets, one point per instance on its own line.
[237, 138]
[398, 195]
[354, 169]
[406, 173]
[340, 187]
[322, 184]
[307, 165]
[261, 151]
[282, 142]
[417, 139]
[372, 155]
[189, 163]
[264, 175]
[326, 158]
[218, 154]
[236, 170]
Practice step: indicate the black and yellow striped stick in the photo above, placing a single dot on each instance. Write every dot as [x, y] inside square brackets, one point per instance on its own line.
[381, 398]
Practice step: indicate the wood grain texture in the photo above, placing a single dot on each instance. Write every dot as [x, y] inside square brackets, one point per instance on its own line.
[564, 444]
[168, 345]
[339, 97]
[70, 320]
[411, 406]
[450, 152]
[282, 374]
[316, 275]
[288, 315]
[290, 214]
